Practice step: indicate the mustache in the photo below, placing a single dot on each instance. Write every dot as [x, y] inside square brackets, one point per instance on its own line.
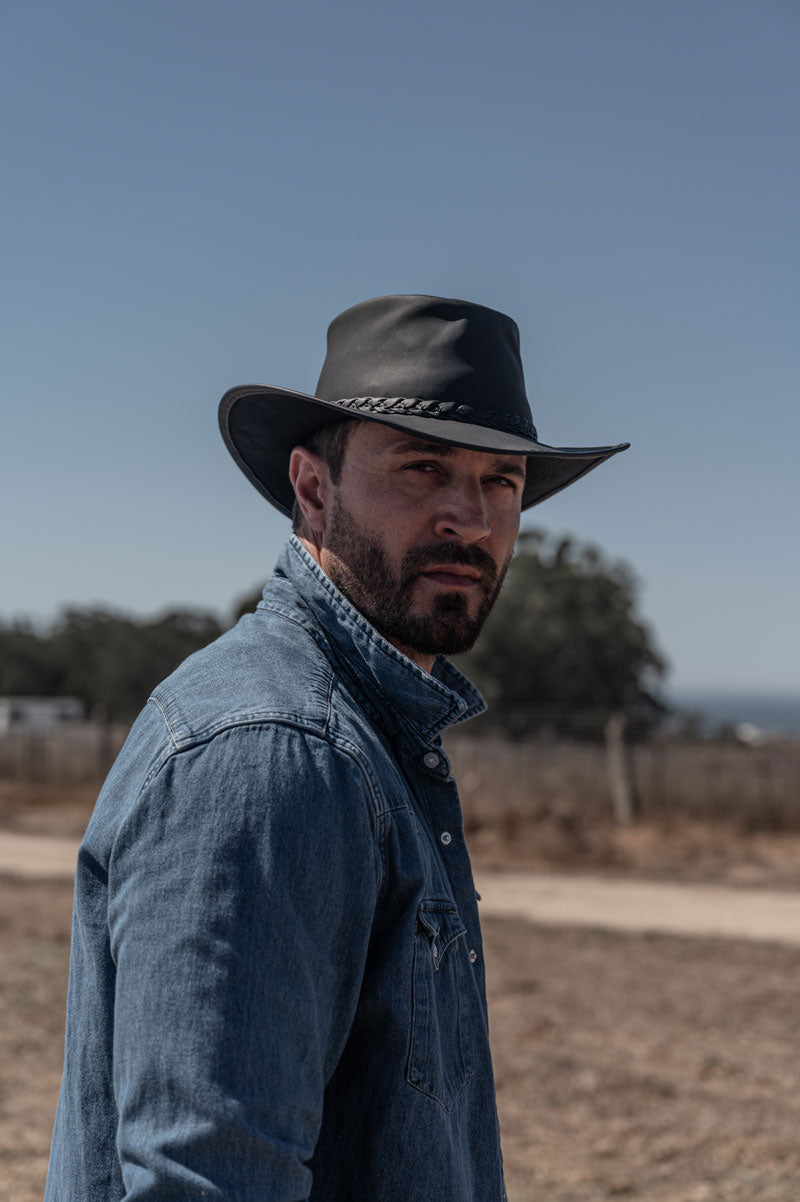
[418, 558]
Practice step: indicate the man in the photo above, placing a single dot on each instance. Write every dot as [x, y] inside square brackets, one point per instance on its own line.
[277, 985]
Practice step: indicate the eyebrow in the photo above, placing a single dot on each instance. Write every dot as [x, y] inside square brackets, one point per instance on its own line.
[508, 468]
[446, 451]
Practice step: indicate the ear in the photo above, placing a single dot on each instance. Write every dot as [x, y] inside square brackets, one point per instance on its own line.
[310, 480]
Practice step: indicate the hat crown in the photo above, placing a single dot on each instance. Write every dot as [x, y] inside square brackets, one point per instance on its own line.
[442, 370]
[427, 348]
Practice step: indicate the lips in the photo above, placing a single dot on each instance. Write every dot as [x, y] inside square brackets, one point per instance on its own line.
[463, 569]
[454, 574]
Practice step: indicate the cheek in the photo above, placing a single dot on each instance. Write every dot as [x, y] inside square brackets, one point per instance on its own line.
[398, 507]
[505, 519]
[505, 533]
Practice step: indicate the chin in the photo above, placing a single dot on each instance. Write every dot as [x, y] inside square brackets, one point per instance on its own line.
[440, 637]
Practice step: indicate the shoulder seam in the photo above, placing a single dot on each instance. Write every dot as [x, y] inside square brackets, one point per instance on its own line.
[323, 734]
[343, 746]
[163, 713]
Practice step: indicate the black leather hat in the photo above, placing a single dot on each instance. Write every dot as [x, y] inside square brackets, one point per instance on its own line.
[446, 370]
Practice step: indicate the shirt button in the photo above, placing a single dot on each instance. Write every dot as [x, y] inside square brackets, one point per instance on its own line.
[430, 759]
[473, 955]
[446, 837]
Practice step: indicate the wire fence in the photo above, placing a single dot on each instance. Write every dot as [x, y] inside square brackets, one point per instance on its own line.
[72, 753]
[515, 783]
[758, 787]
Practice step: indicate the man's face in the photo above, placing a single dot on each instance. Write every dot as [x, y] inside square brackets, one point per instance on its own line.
[418, 535]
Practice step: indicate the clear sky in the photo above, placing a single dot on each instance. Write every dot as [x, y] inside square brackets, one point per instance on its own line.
[192, 190]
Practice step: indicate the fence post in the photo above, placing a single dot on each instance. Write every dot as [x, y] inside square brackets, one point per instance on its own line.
[619, 778]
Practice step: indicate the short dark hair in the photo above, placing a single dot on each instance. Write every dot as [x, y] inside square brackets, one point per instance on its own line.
[330, 443]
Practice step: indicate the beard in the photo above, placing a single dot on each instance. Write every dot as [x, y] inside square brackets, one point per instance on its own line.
[359, 566]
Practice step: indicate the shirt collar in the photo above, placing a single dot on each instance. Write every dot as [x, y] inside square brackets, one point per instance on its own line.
[430, 702]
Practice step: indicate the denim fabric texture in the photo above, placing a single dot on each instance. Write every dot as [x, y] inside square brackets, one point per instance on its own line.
[276, 984]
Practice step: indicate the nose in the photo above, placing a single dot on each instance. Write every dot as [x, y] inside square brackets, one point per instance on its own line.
[462, 514]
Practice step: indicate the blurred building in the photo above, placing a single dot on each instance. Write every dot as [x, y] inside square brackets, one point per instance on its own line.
[38, 713]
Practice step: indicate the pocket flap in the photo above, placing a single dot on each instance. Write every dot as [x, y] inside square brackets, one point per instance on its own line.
[442, 923]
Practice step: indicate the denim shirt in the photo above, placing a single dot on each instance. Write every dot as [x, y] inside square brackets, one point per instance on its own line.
[277, 985]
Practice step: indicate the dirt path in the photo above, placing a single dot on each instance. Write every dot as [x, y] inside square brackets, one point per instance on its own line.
[623, 905]
[42, 857]
[549, 899]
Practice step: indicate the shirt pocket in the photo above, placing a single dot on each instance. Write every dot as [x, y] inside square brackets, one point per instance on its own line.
[439, 1061]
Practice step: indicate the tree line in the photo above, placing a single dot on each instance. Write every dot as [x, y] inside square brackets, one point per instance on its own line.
[563, 648]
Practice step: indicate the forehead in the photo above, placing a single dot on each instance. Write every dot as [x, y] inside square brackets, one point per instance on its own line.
[377, 439]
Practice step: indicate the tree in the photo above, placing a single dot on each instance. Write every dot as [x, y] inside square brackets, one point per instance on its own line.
[107, 659]
[27, 666]
[564, 647]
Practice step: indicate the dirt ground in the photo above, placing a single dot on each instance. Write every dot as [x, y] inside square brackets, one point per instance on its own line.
[653, 1068]
[650, 1068]
[34, 952]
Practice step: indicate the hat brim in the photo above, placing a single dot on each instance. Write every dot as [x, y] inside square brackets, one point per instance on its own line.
[261, 425]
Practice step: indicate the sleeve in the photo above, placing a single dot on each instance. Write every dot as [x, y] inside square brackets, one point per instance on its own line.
[242, 891]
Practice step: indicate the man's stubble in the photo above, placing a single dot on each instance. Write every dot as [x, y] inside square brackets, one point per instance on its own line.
[360, 568]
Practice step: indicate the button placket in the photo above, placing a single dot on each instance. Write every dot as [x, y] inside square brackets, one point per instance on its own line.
[439, 765]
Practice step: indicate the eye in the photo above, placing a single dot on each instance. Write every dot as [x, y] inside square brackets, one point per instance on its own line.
[505, 481]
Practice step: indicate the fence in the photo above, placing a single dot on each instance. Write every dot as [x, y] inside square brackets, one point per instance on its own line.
[512, 783]
[74, 753]
[520, 783]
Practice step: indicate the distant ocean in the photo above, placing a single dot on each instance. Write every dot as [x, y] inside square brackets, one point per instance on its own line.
[772, 713]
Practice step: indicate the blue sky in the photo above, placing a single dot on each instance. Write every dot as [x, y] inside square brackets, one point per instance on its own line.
[194, 189]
